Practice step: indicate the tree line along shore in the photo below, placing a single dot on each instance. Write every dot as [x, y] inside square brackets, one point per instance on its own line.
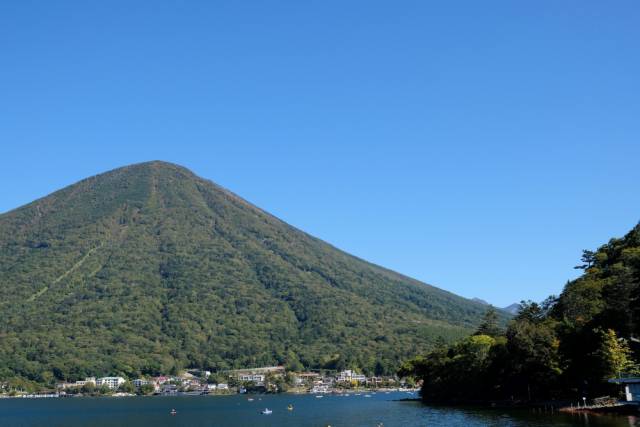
[580, 347]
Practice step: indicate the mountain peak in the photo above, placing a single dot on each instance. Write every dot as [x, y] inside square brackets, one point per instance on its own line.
[512, 308]
[157, 165]
[144, 170]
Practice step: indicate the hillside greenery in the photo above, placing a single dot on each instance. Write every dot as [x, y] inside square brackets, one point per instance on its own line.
[150, 269]
[567, 347]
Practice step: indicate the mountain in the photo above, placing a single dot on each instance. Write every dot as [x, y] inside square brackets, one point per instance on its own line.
[149, 268]
[512, 308]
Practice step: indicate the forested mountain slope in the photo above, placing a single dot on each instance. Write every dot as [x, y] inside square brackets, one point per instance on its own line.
[565, 347]
[149, 268]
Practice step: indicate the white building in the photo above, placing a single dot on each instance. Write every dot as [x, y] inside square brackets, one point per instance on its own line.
[349, 375]
[199, 372]
[320, 388]
[631, 387]
[79, 383]
[306, 378]
[358, 377]
[276, 370]
[254, 378]
[223, 386]
[140, 382]
[87, 380]
[112, 382]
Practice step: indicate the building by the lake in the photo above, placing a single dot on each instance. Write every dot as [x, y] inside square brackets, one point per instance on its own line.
[631, 388]
[112, 382]
[349, 376]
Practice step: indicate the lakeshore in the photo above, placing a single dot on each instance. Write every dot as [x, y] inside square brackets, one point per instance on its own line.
[196, 382]
[307, 411]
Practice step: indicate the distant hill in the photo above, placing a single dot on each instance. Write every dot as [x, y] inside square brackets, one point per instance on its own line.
[513, 308]
[149, 268]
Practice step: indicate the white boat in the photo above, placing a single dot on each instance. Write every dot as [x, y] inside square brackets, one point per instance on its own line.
[266, 411]
[319, 396]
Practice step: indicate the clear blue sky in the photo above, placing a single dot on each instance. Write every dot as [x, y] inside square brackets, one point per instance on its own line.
[477, 146]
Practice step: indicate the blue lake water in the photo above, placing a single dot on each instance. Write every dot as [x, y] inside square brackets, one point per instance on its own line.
[236, 410]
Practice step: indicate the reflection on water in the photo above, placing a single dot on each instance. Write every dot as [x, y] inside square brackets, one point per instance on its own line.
[307, 411]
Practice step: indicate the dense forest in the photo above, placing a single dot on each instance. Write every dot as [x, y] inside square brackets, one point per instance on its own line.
[566, 347]
[149, 269]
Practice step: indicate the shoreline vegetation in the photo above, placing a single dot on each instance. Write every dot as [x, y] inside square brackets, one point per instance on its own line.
[550, 407]
[581, 347]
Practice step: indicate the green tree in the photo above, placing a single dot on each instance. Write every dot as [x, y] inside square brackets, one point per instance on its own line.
[489, 325]
[613, 355]
[103, 389]
[534, 357]
[414, 368]
[88, 388]
[127, 387]
[293, 363]
[146, 389]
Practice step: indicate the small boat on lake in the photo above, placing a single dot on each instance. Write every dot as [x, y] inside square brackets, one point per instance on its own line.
[266, 411]
[173, 412]
[290, 407]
